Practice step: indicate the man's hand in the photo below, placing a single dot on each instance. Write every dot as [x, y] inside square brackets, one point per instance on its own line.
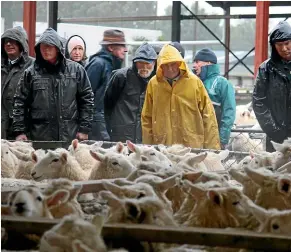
[82, 136]
[21, 137]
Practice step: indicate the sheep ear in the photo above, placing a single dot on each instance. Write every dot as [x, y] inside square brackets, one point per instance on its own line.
[75, 191]
[168, 182]
[33, 157]
[215, 197]
[277, 146]
[56, 240]
[238, 176]
[98, 156]
[284, 186]
[223, 154]
[260, 213]
[132, 147]
[75, 143]
[119, 147]
[192, 176]
[64, 158]
[196, 191]
[197, 159]
[144, 158]
[257, 177]
[98, 221]
[112, 200]
[57, 198]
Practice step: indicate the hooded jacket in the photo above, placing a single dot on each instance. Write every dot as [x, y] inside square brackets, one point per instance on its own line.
[272, 91]
[222, 95]
[180, 113]
[99, 70]
[67, 54]
[124, 99]
[53, 102]
[10, 76]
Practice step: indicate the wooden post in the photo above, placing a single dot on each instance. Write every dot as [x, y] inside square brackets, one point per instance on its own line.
[29, 22]
[262, 25]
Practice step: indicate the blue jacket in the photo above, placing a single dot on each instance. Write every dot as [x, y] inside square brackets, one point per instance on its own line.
[221, 93]
[99, 69]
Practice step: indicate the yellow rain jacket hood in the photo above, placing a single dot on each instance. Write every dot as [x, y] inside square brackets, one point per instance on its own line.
[181, 113]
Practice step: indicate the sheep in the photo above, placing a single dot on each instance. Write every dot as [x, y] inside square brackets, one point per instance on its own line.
[161, 186]
[112, 165]
[145, 210]
[242, 142]
[71, 206]
[245, 115]
[191, 162]
[213, 160]
[74, 234]
[177, 149]
[272, 221]
[274, 190]
[82, 154]
[27, 162]
[9, 162]
[118, 148]
[149, 152]
[59, 164]
[30, 202]
[217, 208]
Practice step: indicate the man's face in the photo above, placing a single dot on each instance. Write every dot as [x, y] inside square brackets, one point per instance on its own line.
[77, 53]
[49, 52]
[118, 51]
[284, 49]
[198, 64]
[171, 70]
[144, 69]
[12, 49]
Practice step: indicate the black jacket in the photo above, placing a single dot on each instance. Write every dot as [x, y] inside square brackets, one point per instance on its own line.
[10, 76]
[67, 54]
[124, 100]
[272, 92]
[53, 102]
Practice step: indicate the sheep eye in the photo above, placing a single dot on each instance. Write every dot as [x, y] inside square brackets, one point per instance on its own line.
[39, 198]
[115, 163]
[245, 163]
[7, 152]
[55, 160]
[153, 154]
[235, 203]
[275, 226]
[256, 162]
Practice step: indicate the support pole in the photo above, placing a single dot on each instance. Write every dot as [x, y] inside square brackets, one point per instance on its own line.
[29, 21]
[176, 21]
[262, 24]
[53, 14]
[227, 42]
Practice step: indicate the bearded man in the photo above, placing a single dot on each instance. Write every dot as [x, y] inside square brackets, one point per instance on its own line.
[125, 95]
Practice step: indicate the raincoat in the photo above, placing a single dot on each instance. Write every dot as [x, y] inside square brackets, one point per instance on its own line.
[272, 92]
[181, 113]
[222, 95]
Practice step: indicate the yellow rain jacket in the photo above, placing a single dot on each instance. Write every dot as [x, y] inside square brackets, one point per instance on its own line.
[181, 113]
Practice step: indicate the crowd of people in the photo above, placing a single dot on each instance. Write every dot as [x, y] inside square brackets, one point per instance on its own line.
[61, 94]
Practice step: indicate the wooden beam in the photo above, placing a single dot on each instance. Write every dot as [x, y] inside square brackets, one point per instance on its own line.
[212, 237]
[29, 21]
[261, 43]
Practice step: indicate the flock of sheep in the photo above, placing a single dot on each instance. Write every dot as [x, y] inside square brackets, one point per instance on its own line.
[167, 186]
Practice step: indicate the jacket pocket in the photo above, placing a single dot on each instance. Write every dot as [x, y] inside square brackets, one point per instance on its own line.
[40, 97]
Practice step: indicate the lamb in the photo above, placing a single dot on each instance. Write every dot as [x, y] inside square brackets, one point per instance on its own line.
[191, 162]
[274, 190]
[71, 206]
[82, 154]
[213, 160]
[59, 164]
[112, 165]
[272, 221]
[118, 148]
[217, 208]
[145, 210]
[30, 202]
[74, 234]
[242, 142]
[9, 162]
[149, 152]
[177, 149]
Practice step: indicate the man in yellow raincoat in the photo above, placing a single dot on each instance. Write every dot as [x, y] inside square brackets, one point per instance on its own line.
[177, 108]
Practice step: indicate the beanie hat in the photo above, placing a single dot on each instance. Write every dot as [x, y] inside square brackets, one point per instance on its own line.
[206, 55]
[75, 41]
[111, 37]
[179, 47]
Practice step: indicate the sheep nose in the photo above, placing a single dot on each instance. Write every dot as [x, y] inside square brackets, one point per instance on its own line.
[33, 173]
[19, 207]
